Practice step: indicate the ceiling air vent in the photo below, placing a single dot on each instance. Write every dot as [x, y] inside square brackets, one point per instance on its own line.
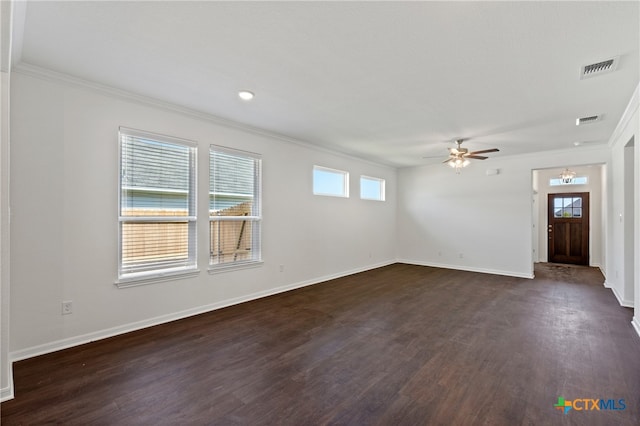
[598, 68]
[587, 120]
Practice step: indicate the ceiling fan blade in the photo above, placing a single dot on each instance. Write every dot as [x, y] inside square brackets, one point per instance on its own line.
[476, 157]
[485, 151]
[447, 160]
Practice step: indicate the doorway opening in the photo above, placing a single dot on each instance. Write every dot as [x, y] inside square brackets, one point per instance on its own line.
[591, 179]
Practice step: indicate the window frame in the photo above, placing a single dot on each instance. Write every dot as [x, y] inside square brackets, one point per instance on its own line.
[382, 188]
[558, 181]
[255, 218]
[131, 276]
[345, 181]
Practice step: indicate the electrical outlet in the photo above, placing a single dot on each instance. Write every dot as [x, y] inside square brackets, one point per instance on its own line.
[281, 268]
[67, 307]
[461, 255]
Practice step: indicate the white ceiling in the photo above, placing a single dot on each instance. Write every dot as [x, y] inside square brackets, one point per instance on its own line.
[384, 81]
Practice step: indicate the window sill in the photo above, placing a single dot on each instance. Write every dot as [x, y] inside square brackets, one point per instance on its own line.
[234, 267]
[134, 280]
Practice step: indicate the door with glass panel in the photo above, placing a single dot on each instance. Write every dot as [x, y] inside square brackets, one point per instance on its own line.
[568, 228]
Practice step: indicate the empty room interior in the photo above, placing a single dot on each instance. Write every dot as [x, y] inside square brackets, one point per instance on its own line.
[320, 212]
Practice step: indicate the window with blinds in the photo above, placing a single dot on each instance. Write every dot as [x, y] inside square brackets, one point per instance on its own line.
[157, 211]
[234, 207]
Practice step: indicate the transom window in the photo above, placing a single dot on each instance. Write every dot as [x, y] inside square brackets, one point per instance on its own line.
[371, 188]
[330, 182]
[234, 207]
[157, 208]
[579, 180]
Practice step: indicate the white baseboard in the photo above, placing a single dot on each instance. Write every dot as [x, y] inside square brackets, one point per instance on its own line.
[468, 268]
[126, 328]
[6, 393]
[621, 301]
[636, 324]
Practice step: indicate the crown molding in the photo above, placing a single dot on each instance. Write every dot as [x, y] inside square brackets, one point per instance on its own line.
[629, 112]
[57, 77]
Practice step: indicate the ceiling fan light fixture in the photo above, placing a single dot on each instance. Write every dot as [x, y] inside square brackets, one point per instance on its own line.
[458, 163]
[459, 157]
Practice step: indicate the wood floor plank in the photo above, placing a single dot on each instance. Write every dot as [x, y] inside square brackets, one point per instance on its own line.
[399, 345]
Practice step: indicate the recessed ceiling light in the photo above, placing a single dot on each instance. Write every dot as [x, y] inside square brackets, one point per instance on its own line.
[246, 95]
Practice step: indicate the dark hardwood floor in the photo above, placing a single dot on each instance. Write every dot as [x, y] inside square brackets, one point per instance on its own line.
[399, 345]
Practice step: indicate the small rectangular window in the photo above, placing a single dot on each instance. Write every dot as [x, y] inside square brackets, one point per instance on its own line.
[371, 188]
[234, 207]
[330, 182]
[579, 180]
[157, 207]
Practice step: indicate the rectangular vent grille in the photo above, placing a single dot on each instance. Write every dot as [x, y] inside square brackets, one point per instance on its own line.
[599, 68]
[587, 120]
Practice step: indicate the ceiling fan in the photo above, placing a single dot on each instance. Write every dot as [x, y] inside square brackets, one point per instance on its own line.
[459, 157]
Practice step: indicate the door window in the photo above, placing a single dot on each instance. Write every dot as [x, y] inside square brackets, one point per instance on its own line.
[567, 207]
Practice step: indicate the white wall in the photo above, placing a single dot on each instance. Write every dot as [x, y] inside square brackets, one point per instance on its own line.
[628, 218]
[625, 286]
[604, 224]
[64, 207]
[593, 187]
[6, 390]
[6, 382]
[487, 219]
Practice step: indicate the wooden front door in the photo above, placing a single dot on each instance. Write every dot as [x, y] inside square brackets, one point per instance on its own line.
[568, 228]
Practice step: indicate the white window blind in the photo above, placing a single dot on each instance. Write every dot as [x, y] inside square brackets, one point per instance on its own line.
[157, 212]
[235, 213]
